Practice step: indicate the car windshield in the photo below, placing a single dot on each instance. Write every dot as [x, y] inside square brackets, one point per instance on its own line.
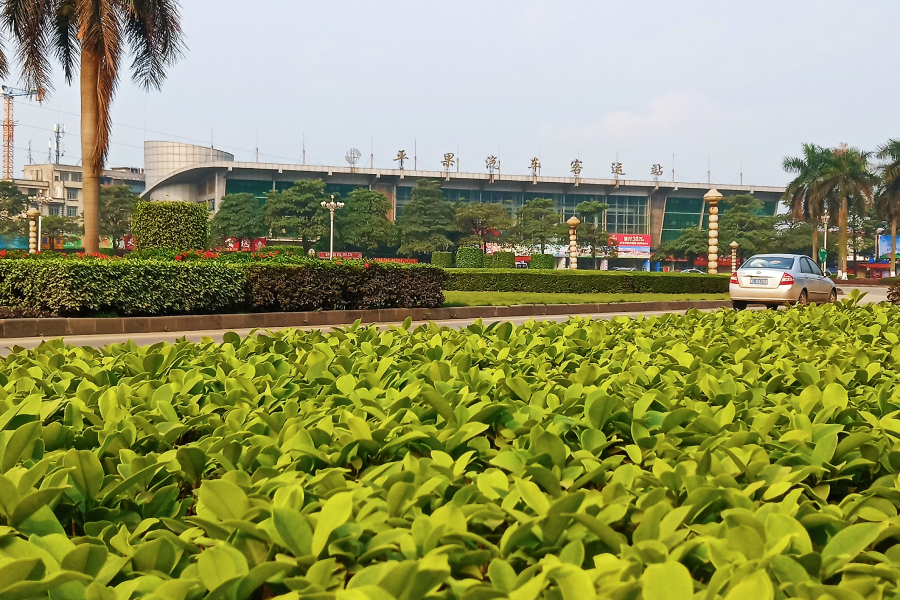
[783, 263]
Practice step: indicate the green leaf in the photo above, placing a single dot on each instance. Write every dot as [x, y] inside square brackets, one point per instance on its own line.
[847, 544]
[226, 500]
[86, 558]
[835, 394]
[757, 586]
[294, 530]
[336, 511]
[22, 441]
[221, 564]
[667, 581]
[87, 472]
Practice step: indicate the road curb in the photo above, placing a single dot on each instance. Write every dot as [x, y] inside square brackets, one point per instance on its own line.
[58, 327]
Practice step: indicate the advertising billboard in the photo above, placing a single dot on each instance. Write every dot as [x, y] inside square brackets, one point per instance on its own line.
[884, 247]
[632, 245]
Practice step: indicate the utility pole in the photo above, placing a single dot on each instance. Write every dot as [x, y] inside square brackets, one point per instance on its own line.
[304, 149]
[332, 206]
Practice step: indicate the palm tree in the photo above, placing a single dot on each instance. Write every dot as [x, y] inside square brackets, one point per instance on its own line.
[845, 174]
[798, 196]
[101, 31]
[887, 199]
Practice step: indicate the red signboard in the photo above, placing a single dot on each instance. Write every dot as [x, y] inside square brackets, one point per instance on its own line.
[631, 239]
[342, 255]
[406, 261]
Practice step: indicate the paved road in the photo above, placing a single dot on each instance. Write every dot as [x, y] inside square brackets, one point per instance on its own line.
[874, 294]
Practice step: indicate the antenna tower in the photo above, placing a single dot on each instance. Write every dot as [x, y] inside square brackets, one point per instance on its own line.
[9, 126]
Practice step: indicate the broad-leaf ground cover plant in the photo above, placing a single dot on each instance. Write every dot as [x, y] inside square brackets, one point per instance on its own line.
[715, 455]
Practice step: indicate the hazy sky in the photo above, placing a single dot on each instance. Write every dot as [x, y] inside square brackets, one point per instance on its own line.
[706, 81]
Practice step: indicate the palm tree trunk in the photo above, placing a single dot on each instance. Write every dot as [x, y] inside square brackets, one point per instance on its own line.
[842, 239]
[90, 158]
[815, 242]
[894, 247]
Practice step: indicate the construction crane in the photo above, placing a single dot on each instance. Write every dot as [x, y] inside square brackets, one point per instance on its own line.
[9, 126]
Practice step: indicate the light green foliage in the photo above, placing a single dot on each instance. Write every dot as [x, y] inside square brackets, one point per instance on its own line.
[721, 456]
[297, 212]
[239, 216]
[173, 225]
[542, 261]
[12, 206]
[469, 257]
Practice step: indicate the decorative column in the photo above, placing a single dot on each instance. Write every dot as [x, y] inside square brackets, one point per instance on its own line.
[573, 223]
[32, 215]
[734, 247]
[713, 197]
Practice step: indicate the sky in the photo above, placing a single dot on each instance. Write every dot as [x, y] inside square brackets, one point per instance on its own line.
[726, 87]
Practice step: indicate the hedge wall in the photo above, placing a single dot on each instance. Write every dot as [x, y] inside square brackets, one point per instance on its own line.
[541, 261]
[584, 282]
[175, 225]
[469, 257]
[502, 260]
[157, 287]
[442, 259]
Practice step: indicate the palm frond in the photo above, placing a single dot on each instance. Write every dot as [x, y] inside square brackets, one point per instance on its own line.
[65, 37]
[153, 31]
[28, 21]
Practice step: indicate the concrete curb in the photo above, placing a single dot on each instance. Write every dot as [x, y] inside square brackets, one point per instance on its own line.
[58, 327]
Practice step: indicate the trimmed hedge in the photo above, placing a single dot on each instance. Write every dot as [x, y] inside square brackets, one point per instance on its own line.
[469, 257]
[442, 259]
[584, 282]
[158, 287]
[504, 260]
[173, 225]
[542, 261]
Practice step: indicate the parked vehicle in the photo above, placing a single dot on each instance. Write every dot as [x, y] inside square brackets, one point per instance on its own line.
[691, 271]
[774, 279]
[623, 269]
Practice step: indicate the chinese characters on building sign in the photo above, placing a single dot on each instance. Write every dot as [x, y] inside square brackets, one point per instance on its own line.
[656, 171]
[401, 158]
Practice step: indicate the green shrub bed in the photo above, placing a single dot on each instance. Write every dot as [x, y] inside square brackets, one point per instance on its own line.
[442, 259]
[469, 257]
[180, 225]
[542, 261]
[584, 282]
[726, 455]
[165, 287]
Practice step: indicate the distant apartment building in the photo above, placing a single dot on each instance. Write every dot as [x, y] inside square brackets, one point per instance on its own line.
[59, 187]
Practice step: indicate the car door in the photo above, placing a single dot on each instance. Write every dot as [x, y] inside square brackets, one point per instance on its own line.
[813, 278]
[824, 287]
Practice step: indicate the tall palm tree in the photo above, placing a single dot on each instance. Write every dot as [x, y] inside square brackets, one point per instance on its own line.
[797, 196]
[887, 199]
[95, 33]
[845, 174]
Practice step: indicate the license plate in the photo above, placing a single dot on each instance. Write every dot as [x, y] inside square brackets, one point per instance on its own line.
[758, 281]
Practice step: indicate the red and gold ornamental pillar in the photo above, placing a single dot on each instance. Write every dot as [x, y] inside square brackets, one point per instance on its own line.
[713, 197]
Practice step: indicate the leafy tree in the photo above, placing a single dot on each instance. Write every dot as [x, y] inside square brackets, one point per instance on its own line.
[844, 176]
[426, 221]
[692, 242]
[12, 205]
[239, 216]
[95, 36]
[54, 227]
[590, 230]
[800, 195]
[297, 211]
[887, 198]
[116, 208]
[480, 222]
[538, 223]
[742, 222]
[363, 221]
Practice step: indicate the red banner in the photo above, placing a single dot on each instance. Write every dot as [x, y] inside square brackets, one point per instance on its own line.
[631, 239]
[342, 255]
[406, 261]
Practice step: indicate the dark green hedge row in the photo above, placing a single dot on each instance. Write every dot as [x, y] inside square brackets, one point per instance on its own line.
[469, 257]
[178, 225]
[584, 282]
[500, 260]
[156, 287]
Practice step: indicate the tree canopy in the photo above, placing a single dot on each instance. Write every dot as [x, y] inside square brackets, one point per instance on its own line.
[742, 222]
[12, 206]
[480, 222]
[538, 224]
[297, 212]
[363, 222]
[116, 207]
[590, 232]
[239, 216]
[427, 220]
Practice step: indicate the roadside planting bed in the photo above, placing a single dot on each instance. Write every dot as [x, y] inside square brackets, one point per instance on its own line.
[735, 455]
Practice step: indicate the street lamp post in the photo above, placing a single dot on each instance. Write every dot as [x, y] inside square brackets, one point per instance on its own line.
[825, 227]
[713, 197]
[332, 206]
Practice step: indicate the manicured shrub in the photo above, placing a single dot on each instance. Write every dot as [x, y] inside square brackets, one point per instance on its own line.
[584, 282]
[542, 261]
[174, 225]
[163, 287]
[488, 262]
[893, 294]
[469, 257]
[442, 259]
[504, 260]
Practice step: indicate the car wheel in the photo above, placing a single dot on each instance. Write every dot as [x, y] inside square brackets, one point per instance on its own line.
[738, 305]
[833, 297]
[803, 300]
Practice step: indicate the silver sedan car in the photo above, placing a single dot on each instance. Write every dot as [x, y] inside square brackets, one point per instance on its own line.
[774, 279]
